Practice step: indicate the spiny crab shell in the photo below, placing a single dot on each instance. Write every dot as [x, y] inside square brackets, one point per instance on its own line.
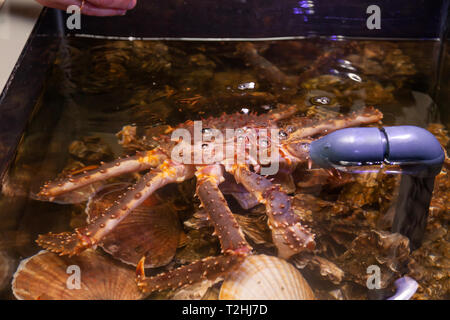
[288, 234]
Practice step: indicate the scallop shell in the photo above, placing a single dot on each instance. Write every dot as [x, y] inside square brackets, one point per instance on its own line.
[46, 276]
[262, 277]
[152, 230]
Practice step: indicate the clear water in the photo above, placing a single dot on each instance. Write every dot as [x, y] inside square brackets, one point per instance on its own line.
[98, 86]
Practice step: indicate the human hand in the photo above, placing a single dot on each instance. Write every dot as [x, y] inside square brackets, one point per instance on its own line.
[93, 7]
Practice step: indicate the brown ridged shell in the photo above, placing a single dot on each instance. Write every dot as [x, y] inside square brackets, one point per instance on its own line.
[262, 277]
[152, 230]
[45, 276]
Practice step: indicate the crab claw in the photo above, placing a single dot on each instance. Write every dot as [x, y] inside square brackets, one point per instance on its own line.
[64, 243]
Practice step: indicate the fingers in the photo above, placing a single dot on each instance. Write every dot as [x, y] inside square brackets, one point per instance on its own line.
[92, 10]
[101, 8]
[114, 4]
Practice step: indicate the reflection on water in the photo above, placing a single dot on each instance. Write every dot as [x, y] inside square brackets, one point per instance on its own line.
[97, 87]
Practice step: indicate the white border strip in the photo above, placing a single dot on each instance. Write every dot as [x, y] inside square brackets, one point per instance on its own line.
[15, 30]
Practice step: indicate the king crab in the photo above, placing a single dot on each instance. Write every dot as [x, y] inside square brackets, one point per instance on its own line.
[288, 234]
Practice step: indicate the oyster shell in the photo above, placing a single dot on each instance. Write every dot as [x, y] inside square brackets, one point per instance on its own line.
[199, 244]
[45, 276]
[254, 226]
[263, 277]
[327, 269]
[389, 251]
[152, 230]
[196, 291]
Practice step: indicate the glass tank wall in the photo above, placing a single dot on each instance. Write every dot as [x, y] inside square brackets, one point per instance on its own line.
[81, 98]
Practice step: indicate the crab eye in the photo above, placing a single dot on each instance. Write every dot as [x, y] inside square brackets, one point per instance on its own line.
[282, 134]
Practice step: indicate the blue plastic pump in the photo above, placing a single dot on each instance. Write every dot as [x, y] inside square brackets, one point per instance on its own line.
[402, 145]
[417, 152]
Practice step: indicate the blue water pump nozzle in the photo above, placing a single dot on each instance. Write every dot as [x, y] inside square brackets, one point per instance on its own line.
[414, 149]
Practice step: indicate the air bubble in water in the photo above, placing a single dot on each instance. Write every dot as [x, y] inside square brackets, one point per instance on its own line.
[321, 100]
[246, 86]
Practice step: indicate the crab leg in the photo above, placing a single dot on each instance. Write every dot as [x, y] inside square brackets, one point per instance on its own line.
[225, 225]
[283, 111]
[67, 243]
[232, 240]
[289, 236]
[267, 69]
[323, 60]
[364, 116]
[206, 269]
[139, 162]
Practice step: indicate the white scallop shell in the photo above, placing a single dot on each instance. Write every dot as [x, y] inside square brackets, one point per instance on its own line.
[262, 277]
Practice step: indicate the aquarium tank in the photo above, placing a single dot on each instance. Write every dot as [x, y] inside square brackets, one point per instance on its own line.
[236, 150]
